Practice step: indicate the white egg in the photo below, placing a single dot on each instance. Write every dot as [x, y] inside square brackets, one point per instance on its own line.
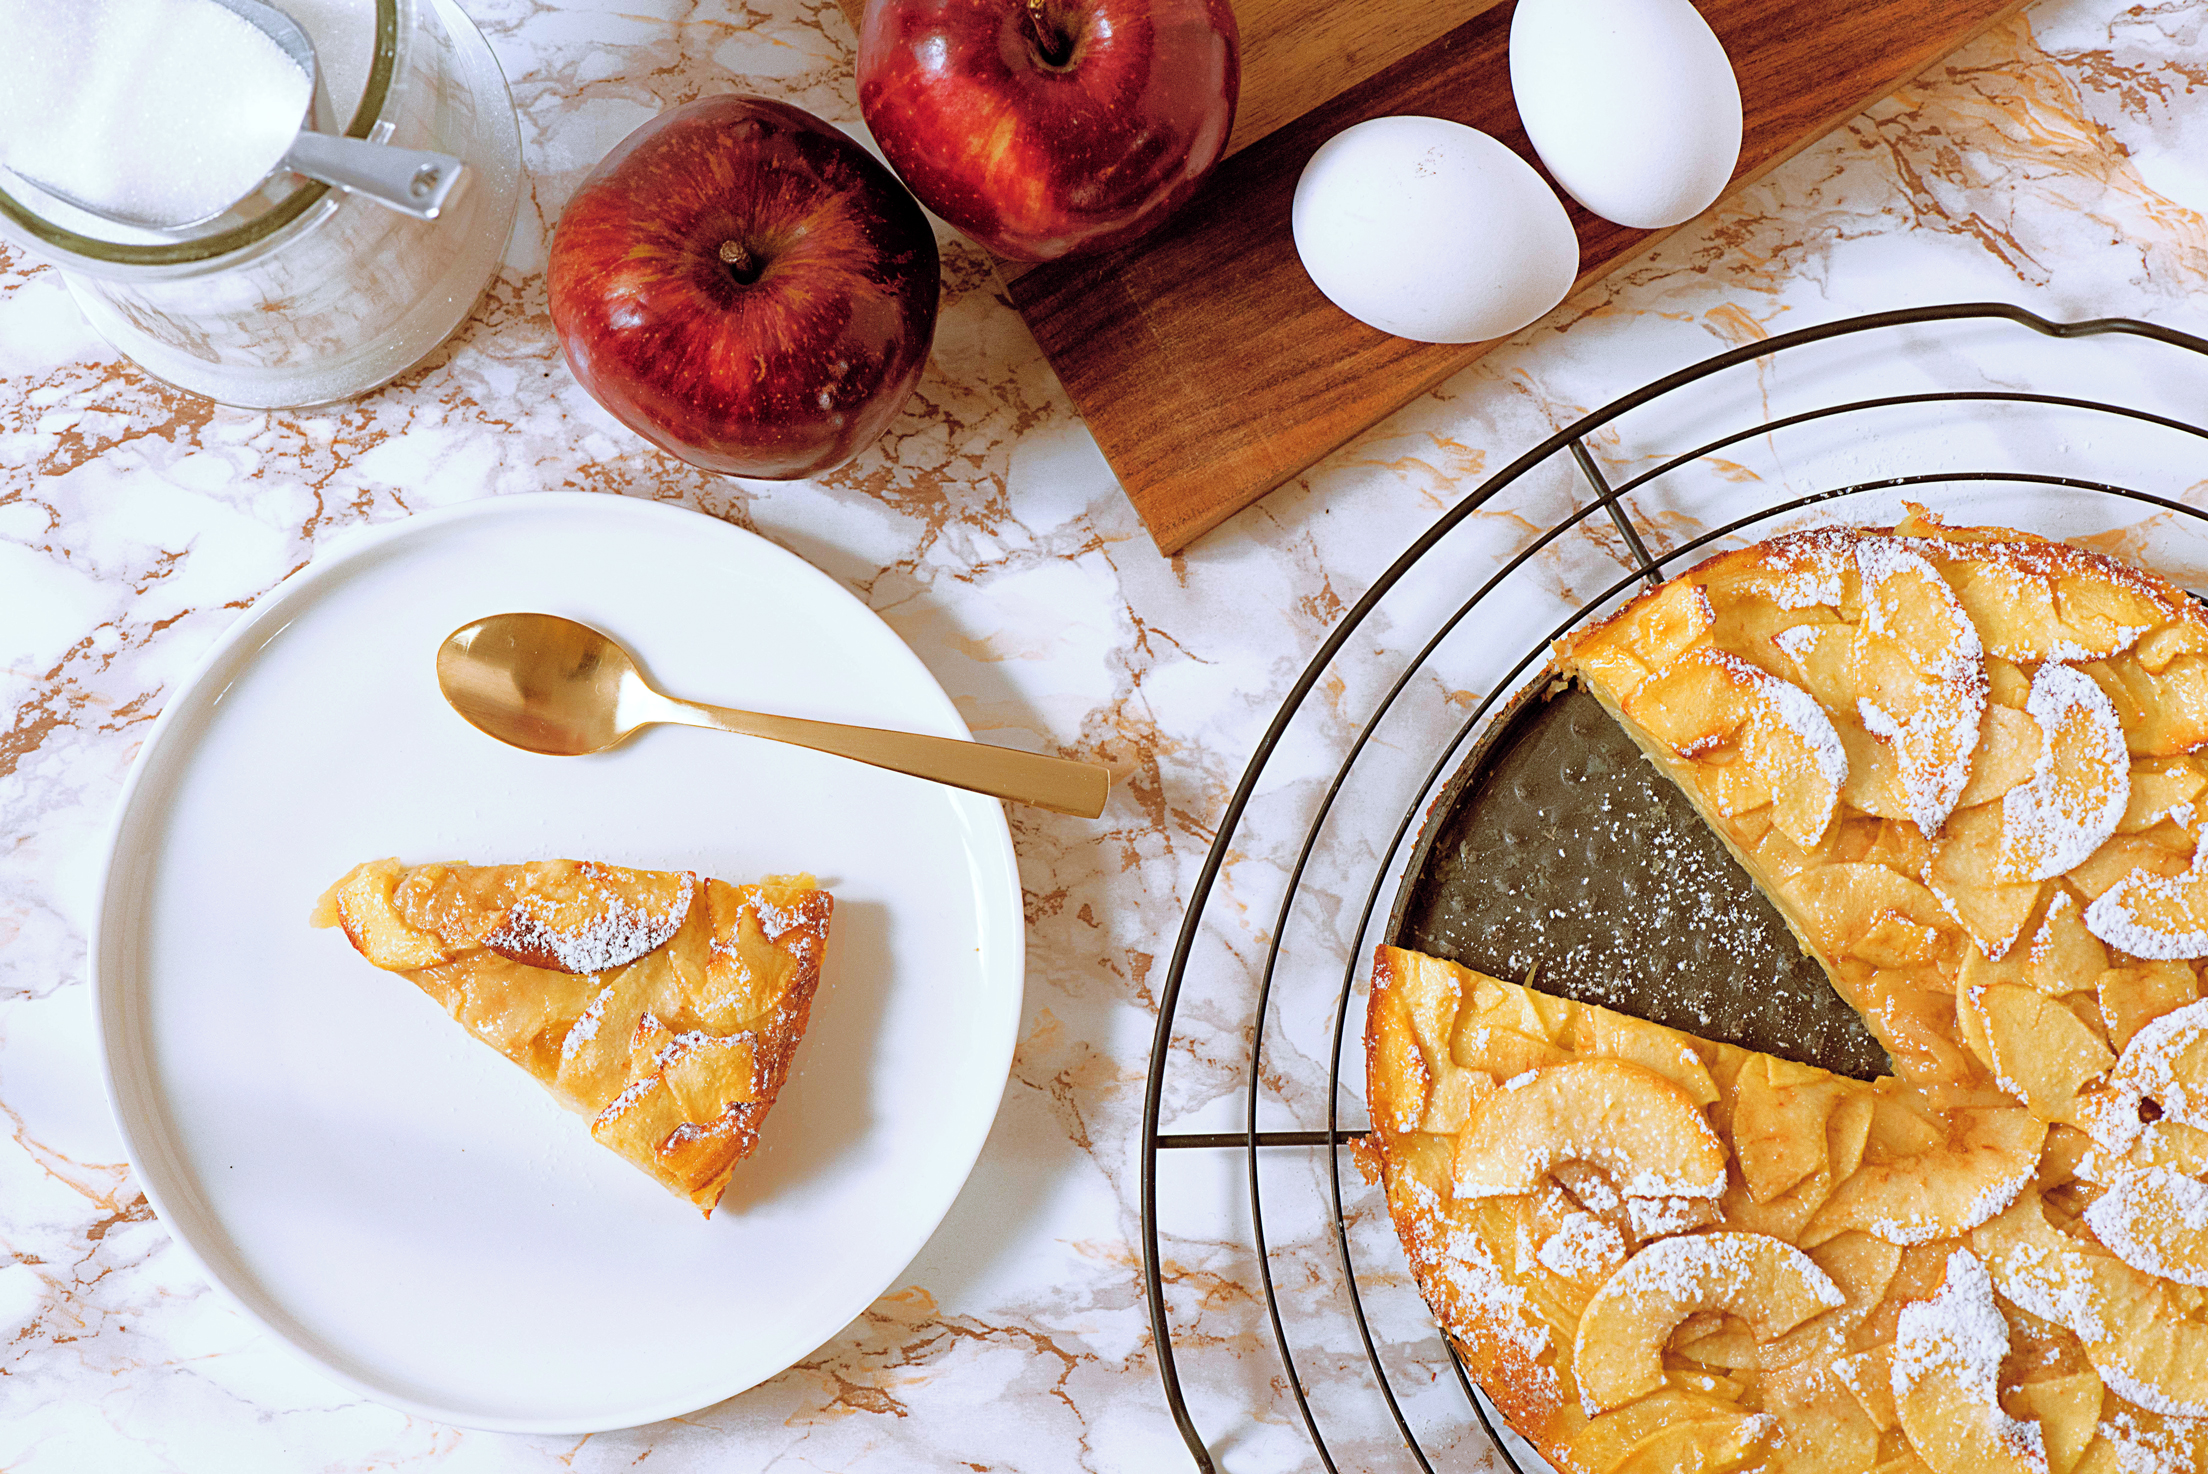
[1632, 105]
[1433, 231]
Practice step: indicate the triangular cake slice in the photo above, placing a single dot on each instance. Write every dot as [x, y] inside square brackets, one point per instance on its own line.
[664, 1007]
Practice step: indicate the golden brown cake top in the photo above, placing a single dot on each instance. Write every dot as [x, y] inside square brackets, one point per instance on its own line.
[1964, 763]
[665, 1007]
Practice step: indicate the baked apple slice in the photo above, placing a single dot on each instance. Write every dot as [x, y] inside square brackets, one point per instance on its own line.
[1766, 1282]
[1640, 1128]
[1946, 1365]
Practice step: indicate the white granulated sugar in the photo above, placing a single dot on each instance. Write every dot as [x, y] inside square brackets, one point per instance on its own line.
[2140, 1214]
[1582, 1247]
[2053, 1290]
[2112, 918]
[2046, 831]
[1521, 1081]
[2181, 815]
[164, 110]
[617, 936]
[1933, 742]
[1960, 1332]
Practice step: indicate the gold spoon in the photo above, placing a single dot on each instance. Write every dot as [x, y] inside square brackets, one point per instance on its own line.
[550, 685]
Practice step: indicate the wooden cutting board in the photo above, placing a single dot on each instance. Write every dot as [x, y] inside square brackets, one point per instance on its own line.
[1207, 365]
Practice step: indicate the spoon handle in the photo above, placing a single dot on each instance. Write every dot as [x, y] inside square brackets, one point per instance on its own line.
[1054, 783]
[408, 180]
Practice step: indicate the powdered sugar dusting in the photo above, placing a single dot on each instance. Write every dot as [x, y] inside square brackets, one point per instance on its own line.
[2057, 819]
[2151, 1068]
[1816, 567]
[2148, 1396]
[1706, 1271]
[1934, 739]
[2143, 1450]
[1654, 1218]
[1789, 707]
[1498, 1308]
[618, 935]
[1582, 1247]
[2053, 1289]
[1959, 1332]
[1795, 640]
[2156, 1221]
[2115, 917]
[1992, 1200]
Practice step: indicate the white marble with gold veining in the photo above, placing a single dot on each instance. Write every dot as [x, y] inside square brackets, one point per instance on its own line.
[2061, 163]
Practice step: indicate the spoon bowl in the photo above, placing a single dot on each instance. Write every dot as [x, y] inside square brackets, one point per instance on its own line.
[537, 682]
[552, 686]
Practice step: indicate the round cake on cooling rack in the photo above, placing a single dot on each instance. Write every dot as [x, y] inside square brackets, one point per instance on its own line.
[1965, 766]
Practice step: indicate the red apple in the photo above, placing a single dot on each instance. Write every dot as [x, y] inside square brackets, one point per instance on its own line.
[1043, 128]
[745, 287]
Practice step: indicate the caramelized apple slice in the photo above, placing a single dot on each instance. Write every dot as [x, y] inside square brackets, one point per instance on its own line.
[2067, 1410]
[2042, 600]
[2162, 1075]
[364, 906]
[1920, 675]
[1947, 1363]
[584, 917]
[2038, 1050]
[2135, 1330]
[2157, 1221]
[1644, 1131]
[1779, 1115]
[1940, 1193]
[1766, 1282]
[2162, 918]
[2080, 786]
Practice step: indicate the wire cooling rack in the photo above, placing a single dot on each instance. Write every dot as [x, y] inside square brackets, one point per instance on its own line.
[1985, 411]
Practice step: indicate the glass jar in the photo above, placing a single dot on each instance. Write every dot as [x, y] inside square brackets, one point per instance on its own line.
[302, 294]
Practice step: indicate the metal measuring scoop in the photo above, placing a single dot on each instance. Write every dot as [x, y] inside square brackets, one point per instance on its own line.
[411, 181]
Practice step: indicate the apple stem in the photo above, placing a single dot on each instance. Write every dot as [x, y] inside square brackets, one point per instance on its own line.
[1052, 43]
[741, 263]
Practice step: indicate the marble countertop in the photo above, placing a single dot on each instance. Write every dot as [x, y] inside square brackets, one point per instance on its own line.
[2056, 163]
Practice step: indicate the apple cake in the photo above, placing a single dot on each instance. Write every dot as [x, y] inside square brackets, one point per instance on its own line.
[1963, 763]
[664, 1007]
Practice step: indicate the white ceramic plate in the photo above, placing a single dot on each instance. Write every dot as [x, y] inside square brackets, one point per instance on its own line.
[393, 1199]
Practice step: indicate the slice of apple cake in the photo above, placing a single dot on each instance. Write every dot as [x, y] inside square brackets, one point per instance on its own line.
[664, 1007]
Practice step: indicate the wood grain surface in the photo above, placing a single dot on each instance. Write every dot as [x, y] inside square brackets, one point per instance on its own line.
[1298, 53]
[1210, 369]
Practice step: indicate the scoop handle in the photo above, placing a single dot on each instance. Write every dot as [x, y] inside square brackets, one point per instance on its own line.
[409, 180]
